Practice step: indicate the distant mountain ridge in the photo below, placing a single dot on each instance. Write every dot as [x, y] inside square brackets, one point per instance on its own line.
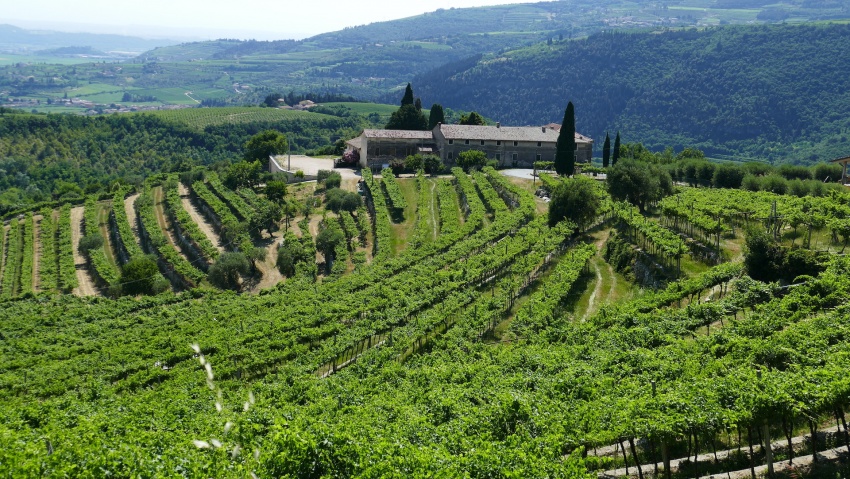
[777, 92]
[18, 40]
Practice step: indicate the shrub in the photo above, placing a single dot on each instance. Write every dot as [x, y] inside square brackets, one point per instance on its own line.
[727, 176]
[225, 272]
[334, 180]
[827, 172]
[89, 242]
[471, 160]
[750, 183]
[795, 172]
[337, 200]
[798, 188]
[774, 183]
[141, 276]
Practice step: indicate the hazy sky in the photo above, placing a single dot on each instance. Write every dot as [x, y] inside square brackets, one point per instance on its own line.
[259, 19]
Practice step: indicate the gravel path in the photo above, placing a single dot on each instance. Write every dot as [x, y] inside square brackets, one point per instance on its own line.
[198, 218]
[85, 283]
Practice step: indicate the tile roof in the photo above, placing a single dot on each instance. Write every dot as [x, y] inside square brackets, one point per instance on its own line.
[407, 134]
[504, 133]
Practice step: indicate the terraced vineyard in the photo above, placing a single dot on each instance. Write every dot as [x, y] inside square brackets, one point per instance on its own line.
[460, 355]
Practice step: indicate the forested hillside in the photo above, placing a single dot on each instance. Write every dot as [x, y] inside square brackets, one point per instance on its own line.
[48, 157]
[774, 92]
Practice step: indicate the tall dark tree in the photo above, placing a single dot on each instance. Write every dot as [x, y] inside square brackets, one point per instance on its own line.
[407, 118]
[407, 99]
[616, 154]
[418, 104]
[437, 115]
[606, 151]
[565, 148]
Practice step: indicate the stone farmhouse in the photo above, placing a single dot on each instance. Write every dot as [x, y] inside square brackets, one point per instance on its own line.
[509, 146]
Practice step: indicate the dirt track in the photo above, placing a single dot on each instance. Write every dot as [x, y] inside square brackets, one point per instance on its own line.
[85, 284]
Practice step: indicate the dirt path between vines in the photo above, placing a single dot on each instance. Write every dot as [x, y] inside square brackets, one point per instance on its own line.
[85, 286]
[199, 219]
[434, 218]
[268, 267]
[591, 303]
[131, 216]
[36, 250]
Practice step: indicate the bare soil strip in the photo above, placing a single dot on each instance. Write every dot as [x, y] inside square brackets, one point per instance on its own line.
[268, 267]
[36, 250]
[86, 284]
[591, 303]
[198, 218]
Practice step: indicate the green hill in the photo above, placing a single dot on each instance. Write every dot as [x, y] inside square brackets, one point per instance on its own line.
[773, 92]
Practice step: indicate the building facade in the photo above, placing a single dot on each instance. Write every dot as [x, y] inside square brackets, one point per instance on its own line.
[509, 146]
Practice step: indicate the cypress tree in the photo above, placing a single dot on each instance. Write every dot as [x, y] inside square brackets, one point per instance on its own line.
[616, 155]
[418, 104]
[606, 151]
[565, 149]
[408, 96]
[436, 116]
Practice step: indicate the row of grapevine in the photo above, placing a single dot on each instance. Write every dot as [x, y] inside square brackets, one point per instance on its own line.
[422, 231]
[548, 182]
[233, 234]
[65, 251]
[652, 237]
[382, 225]
[48, 266]
[495, 203]
[103, 268]
[237, 204]
[449, 213]
[27, 255]
[12, 266]
[186, 273]
[124, 241]
[349, 227]
[183, 222]
[394, 194]
[542, 306]
[364, 224]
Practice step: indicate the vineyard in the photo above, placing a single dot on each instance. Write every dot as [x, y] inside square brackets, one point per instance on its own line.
[483, 348]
